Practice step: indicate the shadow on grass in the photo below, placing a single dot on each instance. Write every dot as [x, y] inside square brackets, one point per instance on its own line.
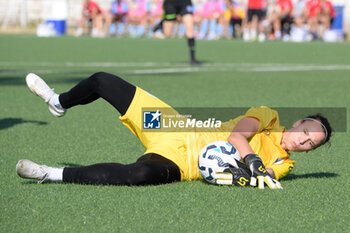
[292, 177]
[35, 182]
[10, 122]
[311, 175]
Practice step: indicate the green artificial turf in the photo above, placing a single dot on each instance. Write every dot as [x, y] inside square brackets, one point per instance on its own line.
[315, 197]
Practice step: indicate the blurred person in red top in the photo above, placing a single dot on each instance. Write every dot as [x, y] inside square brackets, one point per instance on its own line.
[90, 12]
[327, 13]
[281, 16]
[256, 14]
[312, 11]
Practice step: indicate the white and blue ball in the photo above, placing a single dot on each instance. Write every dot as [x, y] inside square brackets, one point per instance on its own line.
[216, 154]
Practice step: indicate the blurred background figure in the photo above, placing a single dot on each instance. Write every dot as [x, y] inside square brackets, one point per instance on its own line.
[138, 17]
[327, 16]
[183, 8]
[91, 14]
[197, 16]
[217, 20]
[299, 17]
[155, 18]
[235, 15]
[256, 16]
[222, 21]
[116, 18]
[281, 18]
[206, 12]
[213, 21]
[298, 31]
[312, 11]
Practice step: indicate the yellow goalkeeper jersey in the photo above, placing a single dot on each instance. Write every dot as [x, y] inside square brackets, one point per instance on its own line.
[266, 142]
[183, 148]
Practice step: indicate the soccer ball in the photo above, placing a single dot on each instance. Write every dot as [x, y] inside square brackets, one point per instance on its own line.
[216, 154]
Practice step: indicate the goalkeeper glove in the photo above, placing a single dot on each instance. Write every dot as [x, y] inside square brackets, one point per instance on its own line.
[236, 174]
[254, 162]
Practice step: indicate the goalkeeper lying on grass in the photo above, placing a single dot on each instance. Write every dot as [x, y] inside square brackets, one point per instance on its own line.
[262, 143]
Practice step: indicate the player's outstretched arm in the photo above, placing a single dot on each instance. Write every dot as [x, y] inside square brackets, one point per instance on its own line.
[246, 128]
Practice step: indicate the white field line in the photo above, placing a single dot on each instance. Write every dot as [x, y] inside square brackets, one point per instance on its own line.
[90, 64]
[48, 67]
[297, 68]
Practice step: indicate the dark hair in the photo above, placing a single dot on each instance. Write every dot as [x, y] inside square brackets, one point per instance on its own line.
[324, 121]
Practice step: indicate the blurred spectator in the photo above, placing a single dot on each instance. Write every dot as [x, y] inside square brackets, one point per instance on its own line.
[299, 17]
[138, 17]
[327, 14]
[117, 14]
[226, 19]
[236, 15]
[206, 13]
[217, 19]
[197, 16]
[256, 15]
[298, 32]
[312, 11]
[213, 21]
[281, 18]
[91, 12]
[156, 16]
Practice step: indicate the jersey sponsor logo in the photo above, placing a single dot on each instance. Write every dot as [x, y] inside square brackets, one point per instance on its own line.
[152, 119]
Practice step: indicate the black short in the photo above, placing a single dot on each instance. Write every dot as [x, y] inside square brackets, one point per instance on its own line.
[286, 21]
[236, 21]
[259, 13]
[172, 8]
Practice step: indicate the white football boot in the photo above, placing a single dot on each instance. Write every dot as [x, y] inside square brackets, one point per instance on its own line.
[39, 87]
[30, 170]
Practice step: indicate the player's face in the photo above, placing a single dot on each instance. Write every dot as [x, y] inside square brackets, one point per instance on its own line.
[303, 136]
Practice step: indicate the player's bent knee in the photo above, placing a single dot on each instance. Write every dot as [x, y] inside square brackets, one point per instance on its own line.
[99, 76]
[103, 79]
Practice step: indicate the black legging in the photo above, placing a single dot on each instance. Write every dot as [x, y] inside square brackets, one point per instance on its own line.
[113, 89]
[149, 169]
